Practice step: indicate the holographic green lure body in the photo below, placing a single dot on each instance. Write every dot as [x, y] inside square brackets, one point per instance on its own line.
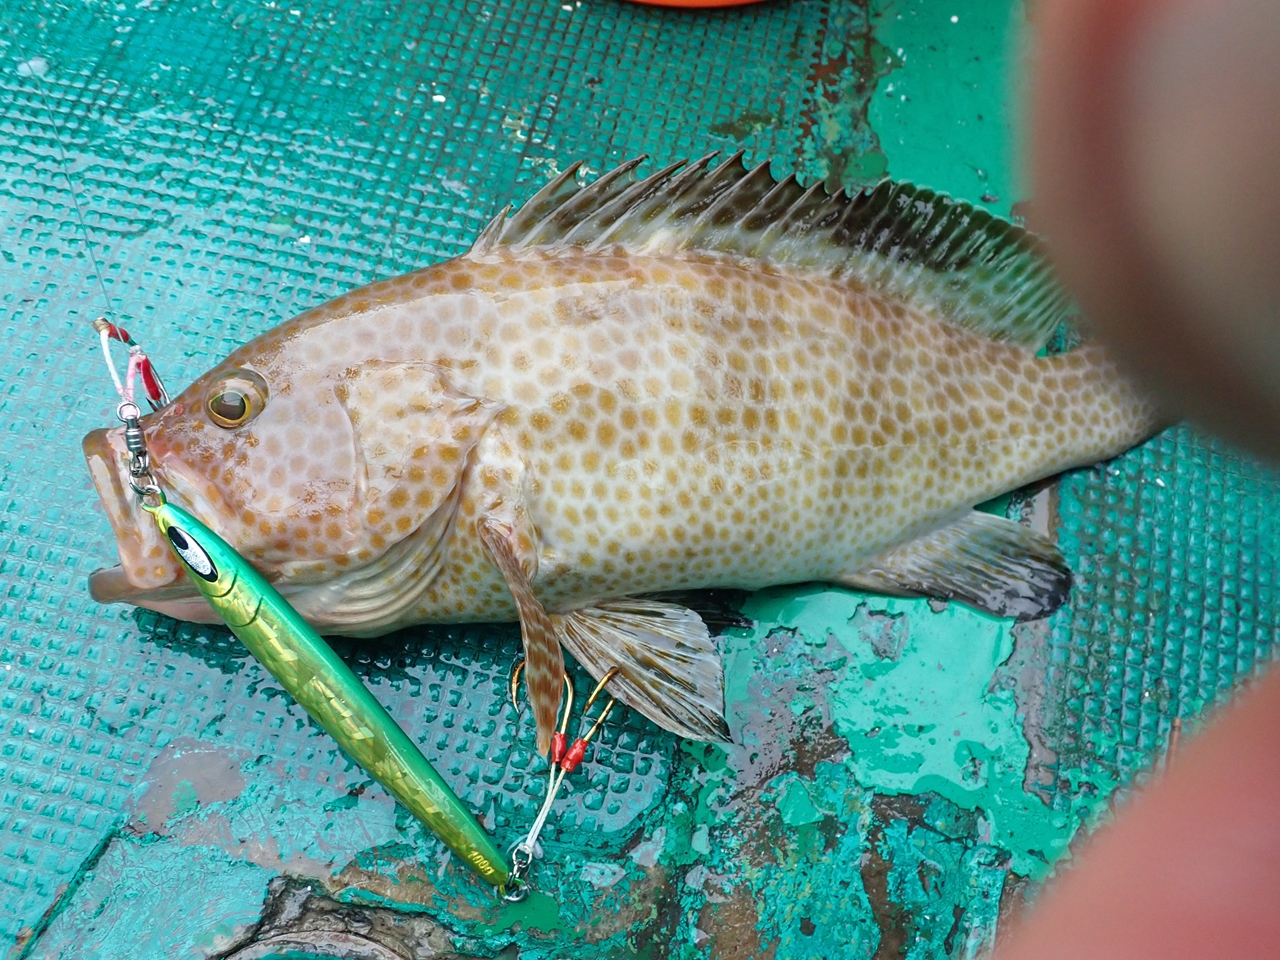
[324, 685]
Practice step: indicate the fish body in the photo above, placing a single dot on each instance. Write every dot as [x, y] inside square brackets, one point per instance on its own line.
[700, 379]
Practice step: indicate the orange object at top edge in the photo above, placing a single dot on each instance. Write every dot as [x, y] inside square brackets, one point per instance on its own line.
[696, 3]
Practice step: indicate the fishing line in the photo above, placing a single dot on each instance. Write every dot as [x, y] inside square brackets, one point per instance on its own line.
[65, 168]
[564, 760]
[139, 364]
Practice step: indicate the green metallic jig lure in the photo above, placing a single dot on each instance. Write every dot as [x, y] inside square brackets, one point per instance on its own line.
[324, 685]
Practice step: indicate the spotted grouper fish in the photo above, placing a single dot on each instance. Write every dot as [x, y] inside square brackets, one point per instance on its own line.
[702, 378]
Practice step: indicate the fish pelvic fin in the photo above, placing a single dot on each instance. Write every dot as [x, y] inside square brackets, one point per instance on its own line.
[990, 563]
[543, 658]
[967, 265]
[668, 666]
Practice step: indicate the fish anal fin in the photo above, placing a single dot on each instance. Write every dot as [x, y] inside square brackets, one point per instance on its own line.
[668, 666]
[995, 565]
[543, 658]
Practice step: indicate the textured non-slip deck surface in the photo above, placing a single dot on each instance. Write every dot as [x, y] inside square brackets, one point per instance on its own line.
[897, 771]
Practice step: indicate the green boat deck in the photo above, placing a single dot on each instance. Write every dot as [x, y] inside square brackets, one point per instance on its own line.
[904, 775]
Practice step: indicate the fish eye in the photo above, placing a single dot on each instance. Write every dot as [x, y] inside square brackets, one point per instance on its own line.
[236, 398]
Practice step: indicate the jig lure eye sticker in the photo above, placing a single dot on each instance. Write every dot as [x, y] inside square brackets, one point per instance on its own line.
[193, 555]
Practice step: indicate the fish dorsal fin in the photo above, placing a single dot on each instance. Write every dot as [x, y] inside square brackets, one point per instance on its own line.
[909, 242]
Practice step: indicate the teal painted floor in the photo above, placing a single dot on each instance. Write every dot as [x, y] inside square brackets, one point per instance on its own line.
[902, 777]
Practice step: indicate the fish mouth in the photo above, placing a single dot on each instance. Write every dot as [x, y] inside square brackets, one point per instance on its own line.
[149, 573]
[180, 600]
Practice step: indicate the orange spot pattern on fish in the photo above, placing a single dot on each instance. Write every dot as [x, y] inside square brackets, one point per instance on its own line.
[685, 421]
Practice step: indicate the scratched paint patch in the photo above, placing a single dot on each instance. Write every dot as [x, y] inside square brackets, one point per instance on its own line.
[916, 704]
[162, 900]
[839, 144]
[783, 843]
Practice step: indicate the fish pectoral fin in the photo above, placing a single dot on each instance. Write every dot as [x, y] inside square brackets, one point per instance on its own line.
[543, 658]
[668, 666]
[414, 436]
[988, 562]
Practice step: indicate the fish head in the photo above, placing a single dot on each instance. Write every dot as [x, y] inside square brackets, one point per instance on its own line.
[313, 468]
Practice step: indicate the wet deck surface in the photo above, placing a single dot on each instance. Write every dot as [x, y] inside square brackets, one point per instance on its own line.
[902, 774]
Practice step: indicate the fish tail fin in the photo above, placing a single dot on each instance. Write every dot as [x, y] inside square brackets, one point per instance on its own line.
[1100, 396]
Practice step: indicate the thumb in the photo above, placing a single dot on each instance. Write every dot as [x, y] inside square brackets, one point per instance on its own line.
[1155, 159]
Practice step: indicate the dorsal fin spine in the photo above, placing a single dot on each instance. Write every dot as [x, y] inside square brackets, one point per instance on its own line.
[573, 211]
[594, 231]
[491, 236]
[712, 223]
[682, 182]
[712, 187]
[654, 215]
[770, 209]
[532, 211]
[787, 219]
[707, 218]
[912, 243]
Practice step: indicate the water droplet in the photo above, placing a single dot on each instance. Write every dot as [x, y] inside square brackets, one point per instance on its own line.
[35, 67]
[280, 224]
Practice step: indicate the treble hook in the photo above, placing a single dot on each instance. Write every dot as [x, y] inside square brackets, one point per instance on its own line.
[563, 763]
[569, 762]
